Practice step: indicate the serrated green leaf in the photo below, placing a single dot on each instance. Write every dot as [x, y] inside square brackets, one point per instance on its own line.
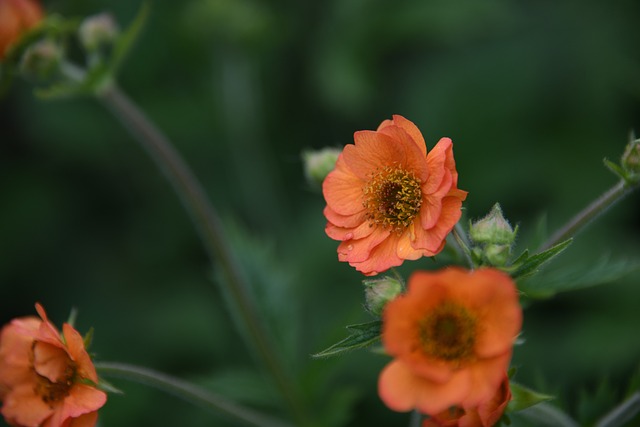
[574, 278]
[531, 264]
[363, 335]
[523, 397]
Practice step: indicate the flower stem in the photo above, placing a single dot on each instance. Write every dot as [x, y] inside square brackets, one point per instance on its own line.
[209, 226]
[416, 419]
[463, 247]
[622, 413]
[188, 392]
[584, 217]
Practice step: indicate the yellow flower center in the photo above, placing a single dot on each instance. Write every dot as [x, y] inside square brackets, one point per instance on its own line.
[392, 198]
[449, 333]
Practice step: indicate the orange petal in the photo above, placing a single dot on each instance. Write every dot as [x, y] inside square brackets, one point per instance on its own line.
[24, 408]
[416, 160]
[360, 250]
[339, 233]
[433, 238]
[86, 420]
[373, 151]
[78, 353]
[381, 257]
[436, 160]
[343, 190]
[345, 221]
[50, 361]
[486, 376]
[401, 390]
[81, 400]
[412, 130]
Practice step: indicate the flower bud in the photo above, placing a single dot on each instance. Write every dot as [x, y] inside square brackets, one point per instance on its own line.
[318, 164]
[493, 229]
[97, 31]
[41, 59]
[497, 255]
[378, 292]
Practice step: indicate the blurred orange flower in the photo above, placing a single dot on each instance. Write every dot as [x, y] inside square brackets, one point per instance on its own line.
[388, 200]
[452, 335]
[16, 16]
[486, 414]
[47, 378]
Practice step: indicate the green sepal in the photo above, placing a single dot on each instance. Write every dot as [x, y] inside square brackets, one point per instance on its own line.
[616, 169]
[107, 387]
[523, 397]
[127, 39]
[526, 265]
[88, 338]
[362, 335]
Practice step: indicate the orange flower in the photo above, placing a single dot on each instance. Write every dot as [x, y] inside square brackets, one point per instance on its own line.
[46, 378]
[486, 414]
[388, 200]
[16, 16]
[452, 336]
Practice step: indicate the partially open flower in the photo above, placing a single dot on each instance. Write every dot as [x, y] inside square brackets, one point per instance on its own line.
[388, 200]
[452, 336]
[47, 378]
[486, 414]
[16, 16]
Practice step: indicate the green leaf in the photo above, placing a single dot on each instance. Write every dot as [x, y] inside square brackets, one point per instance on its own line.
[127, 39]
[531, 264]
[568, 279]
[362, 335]
[523, 397]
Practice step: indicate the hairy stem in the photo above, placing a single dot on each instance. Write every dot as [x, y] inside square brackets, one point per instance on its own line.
[188, 392]
[588, 214]
[209, 226]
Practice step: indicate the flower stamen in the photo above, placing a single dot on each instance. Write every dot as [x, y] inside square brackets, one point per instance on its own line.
[392, 198]
[449, 333]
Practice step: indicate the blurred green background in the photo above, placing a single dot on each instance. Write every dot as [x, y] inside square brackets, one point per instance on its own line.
[533, 94]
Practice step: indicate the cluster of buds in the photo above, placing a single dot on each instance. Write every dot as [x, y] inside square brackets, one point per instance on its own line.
[493, 238]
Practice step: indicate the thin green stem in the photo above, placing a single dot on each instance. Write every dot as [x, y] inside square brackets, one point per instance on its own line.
[416, 419]
[188, 392]
[622, 413]
[463, 247]
[588, 214]
[209, 227]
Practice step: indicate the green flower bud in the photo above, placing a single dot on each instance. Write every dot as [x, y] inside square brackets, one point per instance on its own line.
[493, 229]
[497, 255]
[97, 31]
[41, 59]
[378, 292]
[318, 164]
